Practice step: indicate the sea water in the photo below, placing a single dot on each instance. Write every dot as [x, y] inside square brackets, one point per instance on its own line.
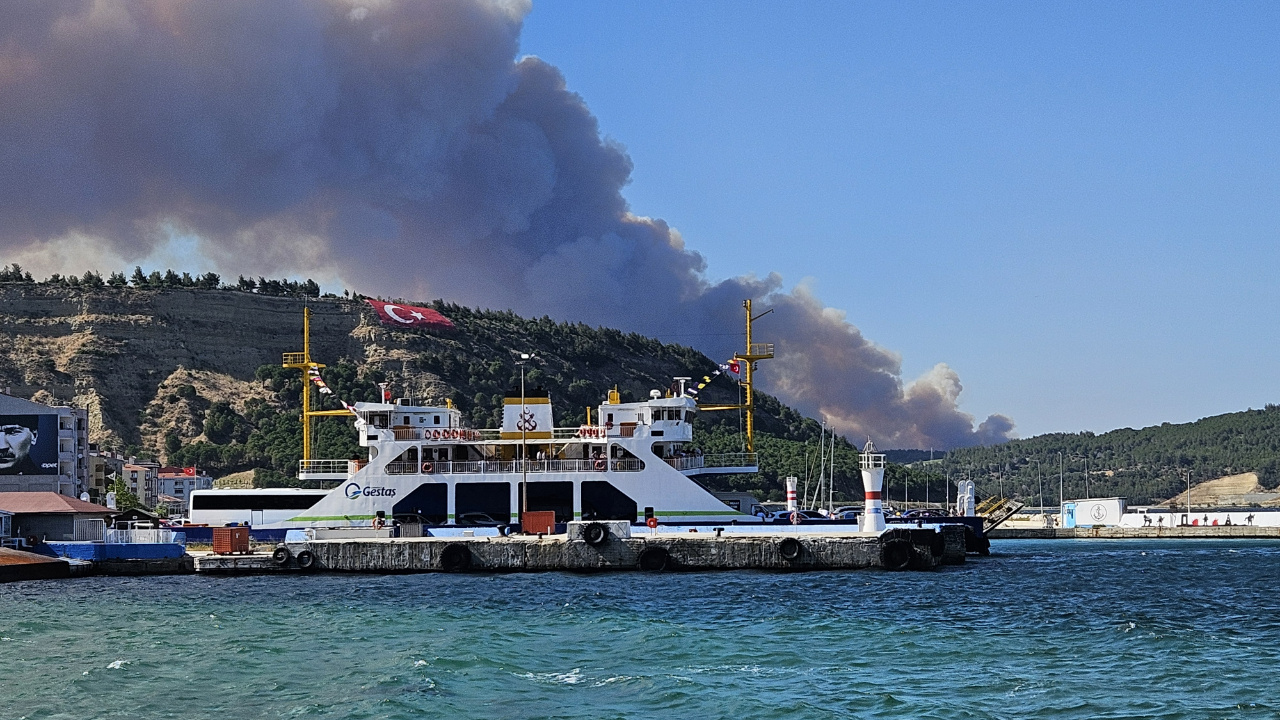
[1065, 629]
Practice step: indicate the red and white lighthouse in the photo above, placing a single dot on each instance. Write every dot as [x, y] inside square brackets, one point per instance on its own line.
[872, 485]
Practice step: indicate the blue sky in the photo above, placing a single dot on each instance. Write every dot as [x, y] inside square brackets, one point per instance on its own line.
[1075, 205]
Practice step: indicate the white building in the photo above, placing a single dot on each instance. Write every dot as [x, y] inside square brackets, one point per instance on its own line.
[43, 448]
[178, 483]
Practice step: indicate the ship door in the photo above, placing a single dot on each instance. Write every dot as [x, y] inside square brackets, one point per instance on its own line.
[255, 518]
[1068, 515]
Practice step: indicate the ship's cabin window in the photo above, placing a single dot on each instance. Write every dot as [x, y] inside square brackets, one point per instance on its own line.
[688, 416]
[610, 418]
[378, 420]
[437, 419]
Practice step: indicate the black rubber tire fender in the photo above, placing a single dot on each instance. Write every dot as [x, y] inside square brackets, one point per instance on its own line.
[281, 556]
[790, 549]
[654, 559]
[896, 553]
[456, 557]
[305, 559]
[595, 533]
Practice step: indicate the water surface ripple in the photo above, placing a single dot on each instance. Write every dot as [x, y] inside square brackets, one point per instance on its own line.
[1083, 629]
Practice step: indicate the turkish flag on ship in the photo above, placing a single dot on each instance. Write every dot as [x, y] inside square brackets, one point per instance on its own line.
[189, 471]
[408, 316]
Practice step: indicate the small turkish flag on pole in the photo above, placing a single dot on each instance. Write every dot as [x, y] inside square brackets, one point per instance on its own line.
[189, 471]
[409, 316]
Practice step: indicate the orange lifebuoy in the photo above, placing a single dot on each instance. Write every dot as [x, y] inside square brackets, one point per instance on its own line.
[379, 523]
[652, 522]
[601, 465]
[426, 467]
[435, 434]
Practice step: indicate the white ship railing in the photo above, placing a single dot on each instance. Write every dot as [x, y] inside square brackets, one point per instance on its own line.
[719, 460]
[499, 467]
[330, 467]
[467, 435]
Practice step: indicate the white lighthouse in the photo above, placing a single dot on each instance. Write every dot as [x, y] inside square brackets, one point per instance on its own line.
[872, 485]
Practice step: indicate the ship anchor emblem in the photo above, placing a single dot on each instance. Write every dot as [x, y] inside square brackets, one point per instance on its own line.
[527, 423]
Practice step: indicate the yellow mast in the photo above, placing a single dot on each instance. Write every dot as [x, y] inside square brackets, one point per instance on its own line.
[755, 352]
[302, 361]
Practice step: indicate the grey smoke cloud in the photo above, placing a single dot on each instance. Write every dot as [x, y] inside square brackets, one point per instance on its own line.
[406, 147]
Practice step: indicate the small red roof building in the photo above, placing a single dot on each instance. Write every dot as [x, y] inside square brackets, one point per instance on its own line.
[48, 502]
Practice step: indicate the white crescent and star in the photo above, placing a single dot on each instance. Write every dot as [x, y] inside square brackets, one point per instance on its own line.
[390, 310]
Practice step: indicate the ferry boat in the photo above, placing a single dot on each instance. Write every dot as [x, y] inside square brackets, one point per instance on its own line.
[425, 466]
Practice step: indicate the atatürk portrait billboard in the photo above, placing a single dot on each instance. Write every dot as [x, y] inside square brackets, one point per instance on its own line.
[28, 444]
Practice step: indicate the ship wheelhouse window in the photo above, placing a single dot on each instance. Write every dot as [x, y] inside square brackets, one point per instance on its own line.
[437, 419]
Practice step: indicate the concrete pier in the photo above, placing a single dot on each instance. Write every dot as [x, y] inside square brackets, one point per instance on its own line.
[1184, 532]
[898, 549]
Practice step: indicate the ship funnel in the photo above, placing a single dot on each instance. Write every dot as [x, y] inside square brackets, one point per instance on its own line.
[872, 485]
[527, 417]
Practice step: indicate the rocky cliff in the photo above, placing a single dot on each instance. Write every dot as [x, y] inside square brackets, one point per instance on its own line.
[149, 363]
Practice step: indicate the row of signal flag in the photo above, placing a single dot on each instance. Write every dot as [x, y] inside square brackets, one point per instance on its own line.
[733, 367]
[314, 374]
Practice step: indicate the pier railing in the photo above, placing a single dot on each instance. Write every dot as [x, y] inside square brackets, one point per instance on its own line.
[141, 536]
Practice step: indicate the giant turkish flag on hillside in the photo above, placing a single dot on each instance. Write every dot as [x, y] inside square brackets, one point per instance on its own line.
[408, 316]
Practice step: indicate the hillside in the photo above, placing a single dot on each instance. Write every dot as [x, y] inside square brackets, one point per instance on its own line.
[1146, 465]
[187, 374]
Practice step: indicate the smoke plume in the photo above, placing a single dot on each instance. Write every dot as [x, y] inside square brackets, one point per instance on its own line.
[404, 147]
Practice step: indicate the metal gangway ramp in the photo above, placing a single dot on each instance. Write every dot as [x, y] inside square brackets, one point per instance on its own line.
[995, 510]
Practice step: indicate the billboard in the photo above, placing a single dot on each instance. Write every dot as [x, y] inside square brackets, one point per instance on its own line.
[29, 444]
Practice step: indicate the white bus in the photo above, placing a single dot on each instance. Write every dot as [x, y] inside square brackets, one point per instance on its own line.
[259, 508]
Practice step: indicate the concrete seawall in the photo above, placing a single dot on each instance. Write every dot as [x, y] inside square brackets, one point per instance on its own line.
[1200, 532]
[899, 549]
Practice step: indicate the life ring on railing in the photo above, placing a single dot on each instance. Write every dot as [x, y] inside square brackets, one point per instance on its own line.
[601, 465]
[379, 523]
[426, 467]
[609, 425]
[435, 434]
[651, 522]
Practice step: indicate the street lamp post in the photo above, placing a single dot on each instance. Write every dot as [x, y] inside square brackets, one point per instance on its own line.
[1059, 480]
[524, 442]
[1040, 479]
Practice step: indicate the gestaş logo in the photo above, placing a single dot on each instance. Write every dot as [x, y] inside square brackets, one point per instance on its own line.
[353, 491]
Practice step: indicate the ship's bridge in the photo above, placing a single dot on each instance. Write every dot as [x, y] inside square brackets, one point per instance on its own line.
[403, 420]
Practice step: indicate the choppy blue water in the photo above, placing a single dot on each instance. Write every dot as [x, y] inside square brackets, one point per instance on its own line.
[1083, 629]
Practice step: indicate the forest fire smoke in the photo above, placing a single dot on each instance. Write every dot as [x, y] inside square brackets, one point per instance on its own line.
[404, 147]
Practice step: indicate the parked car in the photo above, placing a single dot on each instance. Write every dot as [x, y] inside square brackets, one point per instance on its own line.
[783, 516]
[478, 519]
